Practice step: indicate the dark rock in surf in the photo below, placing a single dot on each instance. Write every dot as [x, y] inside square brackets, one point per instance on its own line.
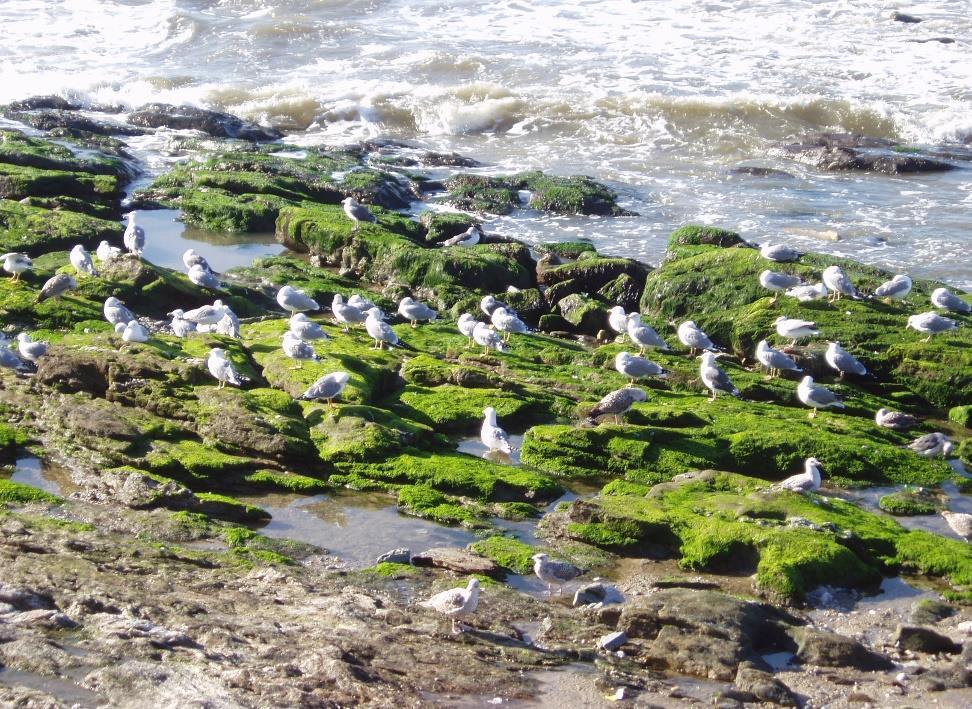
[837, 152]
[51, 118]
[906, 18]
[214, 123]
[36, 103]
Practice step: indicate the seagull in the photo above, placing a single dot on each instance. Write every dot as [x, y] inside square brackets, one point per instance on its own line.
[456, 603]
[775, 360]
[617, 403]
[931, 445]
[931, 323]
[106, 252]
[360, 302]
[776, 282]
[690, 335]
[943, 298]
[492, 436]
[485, 336]
[635, 367]
[897, 288]
[81, 260]
[9, 359]
[960, 522]
[843, 361]
[414, 311]
[895, 419]
[16, 263]
[808, 293]
[816, 396]
[794, 328]
[297, 349]
[554, 573]
[180, 326]
[30, 350]
[507, 322]
[807, 481]
[470, 237]
[57, 286]
[838, 283]
[618, 320]
[489, 303]
[345, 313]
[204, 278]
[132, 331]
[357, 212]
[116, 312]
[228, 325]
[466, 324]
[134, 238]
[714, 378]
[328, 387]
[644, 335]
[380, 331]
[220, 367]
[305, 328]
[295, 301]
[779, 253]
[194, 258]
[206, 314]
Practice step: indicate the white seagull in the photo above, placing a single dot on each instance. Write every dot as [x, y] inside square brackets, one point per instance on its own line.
[222, 368]
[945, 299]
[794, 328]
[960, 522]
[345, 313]
[132, 331]
[414, 311]
[691, 335]
[492, 436]
[295, 301]
[932, 445]
[297, 349]
[29, 349]
[487, 338]
[16, 263]
[328, 387]
[779, 252]
[204, 278]
[455, 603]
[617, 404]
[554, 573]
[116, 312]
[490, 303]
[931, 323]
[380, 331]
[470, 237]
[106, 252]
[618, 320]
[897, 288]
[807, 293]
[634, 367]
[714, 378]
[508, 323]
[179, 325]
[56, 286]
[897, 420]
[774, 360]
[843, 361]
[777, 282]
[807, 481]
[644, 335]
[816, 396]
[357, 212]
[81, 260]
[838, 283]
[193, 258]
[305, 328]
[467, 324]
[134, 238]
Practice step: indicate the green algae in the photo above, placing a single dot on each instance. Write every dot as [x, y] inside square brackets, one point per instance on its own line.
[576, 194]
[428, 503]
[911, 501]
[35, 230]
[20, 494]
[507, 552]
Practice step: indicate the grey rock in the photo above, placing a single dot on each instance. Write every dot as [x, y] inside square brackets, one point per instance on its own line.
[395, 556]
[930, 611]
[459, 560]
[926, 640]
[763, 685]
[214, 123]
[832, 650]
[591, 593]
[613, 641]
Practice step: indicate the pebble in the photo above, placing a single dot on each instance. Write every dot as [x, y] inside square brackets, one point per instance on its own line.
[613, 641]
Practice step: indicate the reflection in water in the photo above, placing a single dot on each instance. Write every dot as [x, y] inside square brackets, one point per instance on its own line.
[35, 472]
[474, 446]
[167, 238]
[868, 499]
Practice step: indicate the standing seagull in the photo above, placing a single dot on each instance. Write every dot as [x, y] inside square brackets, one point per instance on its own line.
[30, 350]
[895, 419]
[960, 522]
[346, 314]
[843, 361]
[328, 387]
[931, 323]
[839, 283]
[618, 321]
[807, 481]
[808, 293]
[897, 288]
[779, 253]
[508, 323]
[106, 252]
[16, 263]
[414, 311]
[132, 331]
[456, 603]
[775, 360]
[467, 324]
[297, 349]
[295, 301]
[617, 404]
[490, 303]
[470, 237]
[554, 573]
[492, 436]
[134, 238]
[357, 212]
[714, 378]
[635, 367]
[816, 396]
[116, 312]
[81, 260]
[305, 328]
[943, 298]
[644, 335]
[690, 335]
[220, 367]
[795, 328]
[204, 278]
[180, 326]
[777, 282]
[193, 258]
[380, 331]
[931, 445]
[207, 315]
[57, 286]
[485, 336]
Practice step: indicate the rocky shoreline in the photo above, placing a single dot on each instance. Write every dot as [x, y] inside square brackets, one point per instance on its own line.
[151, 584]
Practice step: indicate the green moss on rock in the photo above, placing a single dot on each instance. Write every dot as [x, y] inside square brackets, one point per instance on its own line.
[509, 553]
[19, 494]
[919, 501]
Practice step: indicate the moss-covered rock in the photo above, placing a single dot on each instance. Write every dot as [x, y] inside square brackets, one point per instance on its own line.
[508, 552]
[20, 494]
[35, 230]
[585, 315]
[426, 502]
[913, 501]
[962, 415]
[576, 194]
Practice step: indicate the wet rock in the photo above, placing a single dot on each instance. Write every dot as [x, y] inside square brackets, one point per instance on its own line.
[459, 560]
[37, 656]
[954, 675]
[845, 151]
[384, 189]
[763, 686]
[926, 640]
[624, 291]
[24, 599]
[35, 103]
[612, 641]
[596, 592]
[214, 123]
[759, 171]
[395, 556]
[49, 119]
[940, 40]
[905, 17]
[930, 611]
[585, 315]
[42, 618]
[832, 650]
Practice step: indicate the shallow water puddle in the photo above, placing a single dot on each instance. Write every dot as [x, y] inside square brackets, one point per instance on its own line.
[31, 470]
[167, 238]
[62, 689]
[868, 498]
